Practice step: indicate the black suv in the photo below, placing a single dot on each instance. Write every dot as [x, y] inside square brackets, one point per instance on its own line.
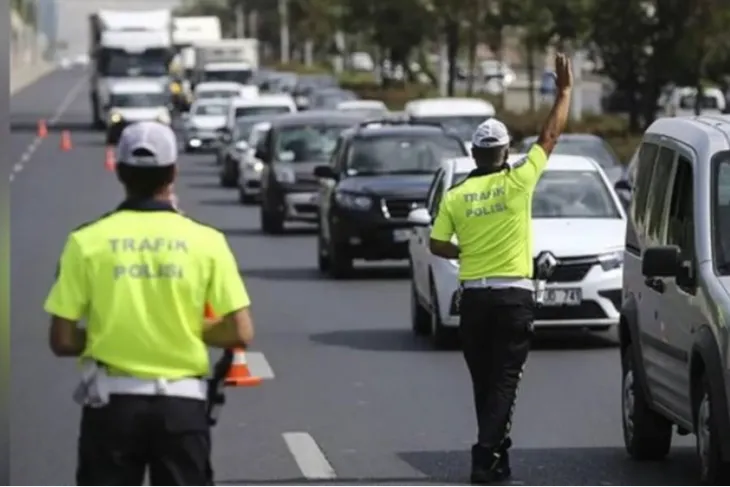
[295, 144]
[378, 173]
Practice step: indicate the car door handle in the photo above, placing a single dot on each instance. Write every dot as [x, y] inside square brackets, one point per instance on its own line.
[656, 284]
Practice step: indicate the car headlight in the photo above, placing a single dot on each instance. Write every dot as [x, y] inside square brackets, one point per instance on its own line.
[115, 118]
[353, 201]
[611, 260]
[283, 176]
[175, 88]
[257, 166]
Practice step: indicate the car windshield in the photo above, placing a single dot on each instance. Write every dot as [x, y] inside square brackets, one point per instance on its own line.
[261, 110]
[570, 194]
[708, 102]
[138, 100]
[405, 154]
[237, 76]
[330, 99]
[243, 130]
[463, 126]
[210, 94]
[211, 109]
[307, 143]
[118, 63]
[595, 149]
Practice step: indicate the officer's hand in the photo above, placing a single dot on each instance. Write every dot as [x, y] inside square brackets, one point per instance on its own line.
[563, 73]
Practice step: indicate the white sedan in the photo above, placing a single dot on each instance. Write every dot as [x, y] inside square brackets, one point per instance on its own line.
[577, 216]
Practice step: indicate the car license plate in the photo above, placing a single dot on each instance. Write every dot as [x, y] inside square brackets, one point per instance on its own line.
[562, 297]
[401, 235]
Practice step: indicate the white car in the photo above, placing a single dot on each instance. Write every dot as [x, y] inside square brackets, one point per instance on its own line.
[225, 90]
[276, 104]
[137, 100]
[458, 115]
[577, 216]
[203, 124]
[370, 108]
[250, 168]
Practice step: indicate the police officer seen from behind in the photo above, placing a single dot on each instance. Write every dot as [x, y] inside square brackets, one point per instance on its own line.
[140, 276]
[490, 214]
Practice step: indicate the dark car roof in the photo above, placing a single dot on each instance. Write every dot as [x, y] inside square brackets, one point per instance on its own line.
[316, 116]
[396, 129]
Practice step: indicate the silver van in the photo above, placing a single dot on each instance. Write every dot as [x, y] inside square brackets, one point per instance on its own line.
[676, 293]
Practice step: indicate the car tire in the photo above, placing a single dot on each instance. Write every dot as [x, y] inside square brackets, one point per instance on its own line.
[442, 337]
[340, 261]
[647, 434]
[420, 317]
[245, 199]
[713, 470]
[270, 224]
[323, 261]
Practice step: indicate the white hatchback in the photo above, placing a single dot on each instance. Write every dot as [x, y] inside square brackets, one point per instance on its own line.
[577, 216]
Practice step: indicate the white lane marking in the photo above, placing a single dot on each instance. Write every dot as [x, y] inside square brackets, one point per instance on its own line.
[258, 365]
[309, 456]
[60, 110]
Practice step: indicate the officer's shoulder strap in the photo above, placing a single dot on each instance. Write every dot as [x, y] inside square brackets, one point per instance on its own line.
[478, 172]
[202, 224]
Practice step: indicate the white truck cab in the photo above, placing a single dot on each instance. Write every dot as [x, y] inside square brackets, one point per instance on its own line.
[139, 100]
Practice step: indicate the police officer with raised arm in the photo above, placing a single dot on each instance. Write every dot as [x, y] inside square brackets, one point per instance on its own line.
[490, 214]
[140, 276]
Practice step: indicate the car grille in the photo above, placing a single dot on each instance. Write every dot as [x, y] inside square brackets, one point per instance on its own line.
[400, 208]
[572, 269]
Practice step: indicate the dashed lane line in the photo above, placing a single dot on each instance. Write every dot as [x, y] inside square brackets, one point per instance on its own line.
[309, 456]
[60, 110]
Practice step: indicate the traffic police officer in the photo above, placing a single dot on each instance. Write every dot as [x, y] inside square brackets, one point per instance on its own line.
[490, 213]
[140, 277]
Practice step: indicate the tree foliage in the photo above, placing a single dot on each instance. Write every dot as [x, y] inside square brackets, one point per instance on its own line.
[642, 45]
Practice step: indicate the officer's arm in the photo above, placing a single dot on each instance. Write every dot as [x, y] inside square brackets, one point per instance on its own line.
[443, 229]
[67, 302]
[555, 123]
[228, 297]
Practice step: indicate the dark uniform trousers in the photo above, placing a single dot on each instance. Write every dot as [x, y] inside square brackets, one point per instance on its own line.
[495, 330]
[168, 435]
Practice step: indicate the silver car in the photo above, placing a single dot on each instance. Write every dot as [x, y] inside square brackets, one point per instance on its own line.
[676, 294]
[250, 168]
[203, 124]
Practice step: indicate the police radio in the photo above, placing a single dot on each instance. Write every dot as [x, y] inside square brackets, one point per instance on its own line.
[545, 265]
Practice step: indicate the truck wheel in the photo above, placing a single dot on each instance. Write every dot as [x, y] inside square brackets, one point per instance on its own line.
[647, 434]
[713, 470]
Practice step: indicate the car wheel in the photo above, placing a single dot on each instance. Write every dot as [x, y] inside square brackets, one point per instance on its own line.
[340, 261]
[647, 434]
[323, 261]
[713, 470]
[442, 336]
[270, 223]
[420, 318]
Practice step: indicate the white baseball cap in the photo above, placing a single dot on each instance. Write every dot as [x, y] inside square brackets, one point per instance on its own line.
[490, 133]
[156, 138]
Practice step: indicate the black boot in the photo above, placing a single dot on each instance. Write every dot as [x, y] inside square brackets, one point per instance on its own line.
[488, 466]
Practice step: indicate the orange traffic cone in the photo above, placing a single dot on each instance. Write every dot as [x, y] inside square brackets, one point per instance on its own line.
[42, 129]
[109, 159]
[238, 374]
[66, 144]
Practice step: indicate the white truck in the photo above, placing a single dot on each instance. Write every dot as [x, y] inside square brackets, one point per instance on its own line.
[226, 60]
[127, 44]
[188, 32]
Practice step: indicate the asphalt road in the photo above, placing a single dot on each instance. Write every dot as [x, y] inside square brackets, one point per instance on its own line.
[350, 396]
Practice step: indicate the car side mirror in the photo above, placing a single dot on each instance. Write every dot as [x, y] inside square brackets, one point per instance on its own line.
[663, 261]
[622, 185]
[420, 217]
[325, 172]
